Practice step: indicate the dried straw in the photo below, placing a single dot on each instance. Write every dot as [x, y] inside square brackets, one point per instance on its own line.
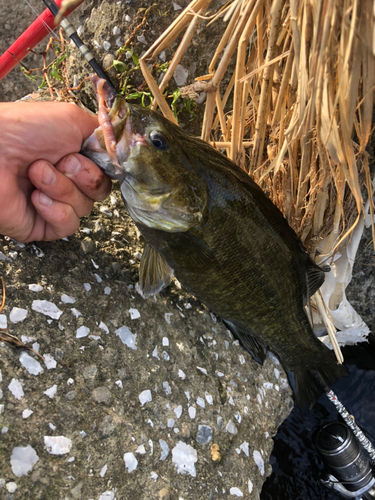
[301, 115]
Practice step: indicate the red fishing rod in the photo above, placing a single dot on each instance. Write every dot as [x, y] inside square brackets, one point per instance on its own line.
[34, 34]
[38, 30]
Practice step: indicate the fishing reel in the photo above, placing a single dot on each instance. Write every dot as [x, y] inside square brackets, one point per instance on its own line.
[350, 472]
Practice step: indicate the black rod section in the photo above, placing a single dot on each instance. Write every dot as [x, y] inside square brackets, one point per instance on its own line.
[71, 32]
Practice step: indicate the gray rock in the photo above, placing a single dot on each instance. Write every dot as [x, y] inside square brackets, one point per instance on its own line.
[70, 395]
[107, 426]
[87, 245]
[102, 395]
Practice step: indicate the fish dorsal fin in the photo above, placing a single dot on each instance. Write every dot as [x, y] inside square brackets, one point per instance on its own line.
[315, 278]
[254, 346]
[154, 272]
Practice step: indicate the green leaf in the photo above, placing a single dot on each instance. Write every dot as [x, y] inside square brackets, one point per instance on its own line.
[119, 66]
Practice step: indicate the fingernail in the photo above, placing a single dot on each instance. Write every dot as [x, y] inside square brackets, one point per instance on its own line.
[49, 176]
[72, 165]
[45, 200]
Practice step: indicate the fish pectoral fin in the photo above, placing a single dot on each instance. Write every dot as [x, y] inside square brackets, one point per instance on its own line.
[154, 272]
[254, 346]
[315, 278]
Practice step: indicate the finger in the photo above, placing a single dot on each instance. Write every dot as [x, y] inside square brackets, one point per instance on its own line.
[54, 220]
[59, 187]
[90, 179]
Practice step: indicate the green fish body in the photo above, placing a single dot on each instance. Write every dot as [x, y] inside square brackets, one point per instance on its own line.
[209, 224]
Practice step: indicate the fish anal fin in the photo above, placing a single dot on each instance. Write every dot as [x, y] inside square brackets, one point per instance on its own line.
[154, 272]
[249, 342]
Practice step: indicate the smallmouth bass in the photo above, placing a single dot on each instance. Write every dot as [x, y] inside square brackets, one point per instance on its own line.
[205, 221]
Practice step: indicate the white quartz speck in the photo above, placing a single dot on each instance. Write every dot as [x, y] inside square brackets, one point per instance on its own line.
[236, 492]
[164, 449]
[245, 448]
[51, 391]
[57, 445]
[49, 361]
[32, 365]
[51, 426]
[11, 487]
[276, 372]
[82, 331]
[259, 461]
[108, 495]
[35, 288]
[119, 384]
[155, 353]
[178, 411]
[141, 449]
[70, 381]
[209, 398]
[3, 321]
[106, 46]
[103, 470]
[94, 264]
[131, 462]
[17, 314]
[66, 299]
[23, 460]
[87, 287]
[98, 278]
[26, 413]
[201, 402]
[176, 6]
[153, 475]
[47, 308]
[107, 290]
[167, 317]
[127, 337]
[268, 385]
[203, 370]
[26, 340]
[103, 327]
[167, 388]
[250, 485]
[192, 412]
[15, 388]
[165, 341]
[145, 397]
[184, 458]
[75, 312]
[231, 428]
[170, 423]
[134, 313]
[181, 374]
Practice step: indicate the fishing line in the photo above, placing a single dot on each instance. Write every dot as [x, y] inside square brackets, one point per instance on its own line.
[44, 23]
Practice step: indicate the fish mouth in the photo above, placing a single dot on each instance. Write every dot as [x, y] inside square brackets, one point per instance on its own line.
[110, 144]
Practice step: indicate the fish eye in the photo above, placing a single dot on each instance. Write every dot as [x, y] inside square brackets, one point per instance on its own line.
[159, 141]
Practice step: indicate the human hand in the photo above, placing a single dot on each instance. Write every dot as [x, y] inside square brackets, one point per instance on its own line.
[45, 184]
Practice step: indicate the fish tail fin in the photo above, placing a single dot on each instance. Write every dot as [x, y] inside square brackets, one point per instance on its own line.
[314, 376]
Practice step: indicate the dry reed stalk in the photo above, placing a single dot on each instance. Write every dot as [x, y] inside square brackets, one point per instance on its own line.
[305, 88]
